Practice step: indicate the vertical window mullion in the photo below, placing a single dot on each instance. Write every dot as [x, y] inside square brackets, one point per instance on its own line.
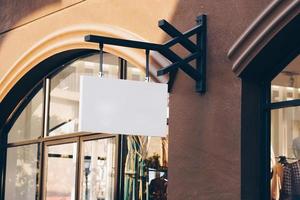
[78, 177]
[41, 170]
[44, 134]
[46, 107]
[266, 139]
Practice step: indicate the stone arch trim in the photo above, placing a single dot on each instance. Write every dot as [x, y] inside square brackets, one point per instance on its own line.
[272, 20]
[73, 38]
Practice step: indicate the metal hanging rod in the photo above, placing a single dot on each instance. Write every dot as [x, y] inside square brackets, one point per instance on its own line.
[101, 74]
[147, 78]
[197, 50]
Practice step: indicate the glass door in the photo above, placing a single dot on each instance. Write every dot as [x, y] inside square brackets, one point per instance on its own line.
[98, 164]
[60, 170]
[82, 167]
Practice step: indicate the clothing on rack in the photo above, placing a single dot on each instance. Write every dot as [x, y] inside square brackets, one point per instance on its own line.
[277, 173]
[291, 182]
[276, 181]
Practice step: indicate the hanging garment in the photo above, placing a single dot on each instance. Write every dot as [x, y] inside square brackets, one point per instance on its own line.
[291, 182]
[135, 177]
[276, 181]
[165, 147]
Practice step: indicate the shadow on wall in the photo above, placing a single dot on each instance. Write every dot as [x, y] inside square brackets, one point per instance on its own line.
[13, 11]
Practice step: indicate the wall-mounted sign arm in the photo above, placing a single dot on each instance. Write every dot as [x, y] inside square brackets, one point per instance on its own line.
[198, 51]
[122, 42]
[185, 66]
[201, 60]
[193, 73]
[186, 34]
[177, 35]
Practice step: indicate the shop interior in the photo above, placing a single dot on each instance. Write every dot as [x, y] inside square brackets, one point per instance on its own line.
[285, 133]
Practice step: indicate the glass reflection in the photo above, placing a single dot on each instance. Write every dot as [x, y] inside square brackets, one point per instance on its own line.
[65, 87]
[60, 174]
[29, 123]
[22, 173]
[134, 73]
[146, 170]
[285, 127]
[98, 169]
[285, 148]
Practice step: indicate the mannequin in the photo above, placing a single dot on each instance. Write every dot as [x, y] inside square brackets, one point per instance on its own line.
[291, 175]
[296, 147]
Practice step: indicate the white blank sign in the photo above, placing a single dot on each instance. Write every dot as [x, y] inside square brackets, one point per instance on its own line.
[123, 107]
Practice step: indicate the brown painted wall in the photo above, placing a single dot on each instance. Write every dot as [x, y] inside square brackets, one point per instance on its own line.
[205, 130]
[204, 147]
[15, 13]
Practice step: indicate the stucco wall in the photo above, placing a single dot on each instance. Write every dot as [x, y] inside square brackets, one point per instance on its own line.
[204, 147]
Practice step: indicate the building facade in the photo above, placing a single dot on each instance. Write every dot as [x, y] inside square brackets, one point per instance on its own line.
[218, 145]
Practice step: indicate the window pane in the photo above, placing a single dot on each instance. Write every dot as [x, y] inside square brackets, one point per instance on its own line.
[22, 173]
[285, 152]
[146, 170]
[286, 86]
[285, 127]
[110, 66]
[29, 123]
[61, 168]
[64, 95]
[98, 169]
[134, 73]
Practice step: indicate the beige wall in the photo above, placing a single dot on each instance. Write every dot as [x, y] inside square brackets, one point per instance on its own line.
[204, 130]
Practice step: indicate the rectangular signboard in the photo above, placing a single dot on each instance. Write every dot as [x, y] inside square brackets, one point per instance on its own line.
[123, 107]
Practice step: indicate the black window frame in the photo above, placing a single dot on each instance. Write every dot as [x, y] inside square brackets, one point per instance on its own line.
[255, 109]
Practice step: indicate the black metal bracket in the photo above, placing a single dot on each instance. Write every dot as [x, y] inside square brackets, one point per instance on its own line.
[197, 50]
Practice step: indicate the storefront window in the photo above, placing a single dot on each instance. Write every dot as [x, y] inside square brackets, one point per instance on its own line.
[28, 125]
[146, 168]
[99, 169]
[60, 171]
[73, 165]
[285, 128]
[65, 86]
[285, 133]
[22, 173]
